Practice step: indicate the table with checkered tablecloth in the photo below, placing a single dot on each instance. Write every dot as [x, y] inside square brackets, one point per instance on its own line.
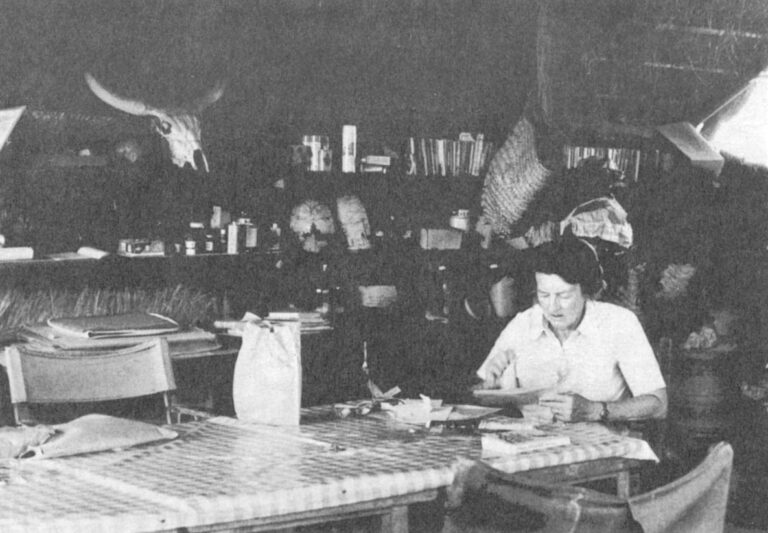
[222, 471]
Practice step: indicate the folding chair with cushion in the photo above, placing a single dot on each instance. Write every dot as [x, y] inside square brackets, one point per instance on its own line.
[486, 500]
[62, 378]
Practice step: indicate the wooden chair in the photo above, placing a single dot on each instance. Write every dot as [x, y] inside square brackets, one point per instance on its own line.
[62, 378]
[485, 500]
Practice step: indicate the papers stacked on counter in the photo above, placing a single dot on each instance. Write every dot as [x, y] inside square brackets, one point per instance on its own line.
[311, 321]
[119, 325]
[43, 338]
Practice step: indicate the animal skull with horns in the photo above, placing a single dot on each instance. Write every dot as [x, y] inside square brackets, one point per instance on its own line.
[179, 126]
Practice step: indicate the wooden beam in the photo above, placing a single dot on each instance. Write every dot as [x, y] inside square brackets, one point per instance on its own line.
[689, 68]
[710, 31]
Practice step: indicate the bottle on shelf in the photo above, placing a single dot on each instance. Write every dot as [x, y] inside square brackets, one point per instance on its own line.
[210, 243]
[439, 303]
[272, 240]
[323, 292]
[502, 293]
[232, 238]
[221, 247]
[445, 290]
[348, 148]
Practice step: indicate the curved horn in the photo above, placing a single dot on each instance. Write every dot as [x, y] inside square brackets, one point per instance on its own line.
[134, 107]
[210, 97]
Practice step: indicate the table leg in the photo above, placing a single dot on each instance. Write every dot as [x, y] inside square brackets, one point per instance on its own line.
[623, 484]
[396, 520]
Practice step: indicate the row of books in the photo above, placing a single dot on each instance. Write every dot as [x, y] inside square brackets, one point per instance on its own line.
[629, 161]
[466, 156]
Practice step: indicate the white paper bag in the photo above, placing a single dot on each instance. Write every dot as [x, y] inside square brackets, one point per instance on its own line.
[266, 386]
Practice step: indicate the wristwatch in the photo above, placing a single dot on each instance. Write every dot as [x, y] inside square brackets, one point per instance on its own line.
[604, 412]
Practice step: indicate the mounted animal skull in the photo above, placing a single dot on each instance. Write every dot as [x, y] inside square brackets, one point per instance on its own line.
[179, 126]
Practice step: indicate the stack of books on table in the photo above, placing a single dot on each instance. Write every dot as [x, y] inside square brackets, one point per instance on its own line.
[502, 436]
[107, 332]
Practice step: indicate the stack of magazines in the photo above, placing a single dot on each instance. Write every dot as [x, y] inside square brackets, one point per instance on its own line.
[106, 332]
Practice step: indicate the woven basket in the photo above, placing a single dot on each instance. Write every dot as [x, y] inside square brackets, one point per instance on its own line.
[514, 176]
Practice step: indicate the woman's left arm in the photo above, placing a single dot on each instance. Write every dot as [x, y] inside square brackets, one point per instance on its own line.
[576, 408]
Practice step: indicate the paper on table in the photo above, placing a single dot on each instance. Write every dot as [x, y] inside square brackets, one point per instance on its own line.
[517, 397]
[470, 412]
[506, 423]
[427, 410]
[411, 411]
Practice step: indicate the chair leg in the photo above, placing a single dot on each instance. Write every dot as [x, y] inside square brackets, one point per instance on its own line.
[396, 520]
[167, 404]
[623, 484]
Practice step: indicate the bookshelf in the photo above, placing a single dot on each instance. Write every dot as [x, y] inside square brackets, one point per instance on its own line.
[631, 162]
[466, 156]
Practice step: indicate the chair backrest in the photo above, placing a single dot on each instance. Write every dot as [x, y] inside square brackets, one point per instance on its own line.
[49, 378]
[493, 501]
[695, 502]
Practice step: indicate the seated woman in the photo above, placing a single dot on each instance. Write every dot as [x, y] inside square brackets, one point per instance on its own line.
[592, 358]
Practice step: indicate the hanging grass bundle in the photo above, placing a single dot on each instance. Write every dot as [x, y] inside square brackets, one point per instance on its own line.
[185, 305]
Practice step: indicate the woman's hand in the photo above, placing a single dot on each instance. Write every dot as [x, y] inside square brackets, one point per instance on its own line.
[569, 407]
[495, 367]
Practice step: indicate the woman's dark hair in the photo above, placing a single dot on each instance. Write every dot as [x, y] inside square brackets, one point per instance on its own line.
[572, 259]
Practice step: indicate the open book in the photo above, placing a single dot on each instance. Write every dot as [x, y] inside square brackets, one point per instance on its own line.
[120, 325]
[514, 442]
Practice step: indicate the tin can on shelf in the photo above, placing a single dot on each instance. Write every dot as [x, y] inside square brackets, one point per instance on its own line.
[209, 246]
[348, 148]
[232, 238]
[460, 220]
[320, 159]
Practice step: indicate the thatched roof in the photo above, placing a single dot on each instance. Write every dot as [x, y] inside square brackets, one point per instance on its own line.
[604, 64]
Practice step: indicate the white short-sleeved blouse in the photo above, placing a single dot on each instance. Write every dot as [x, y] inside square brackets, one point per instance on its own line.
[607, 358]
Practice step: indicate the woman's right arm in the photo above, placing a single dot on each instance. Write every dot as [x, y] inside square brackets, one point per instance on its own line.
[501, 356]
[494, 367]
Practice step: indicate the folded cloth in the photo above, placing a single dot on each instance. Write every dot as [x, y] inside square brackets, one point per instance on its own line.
[15, 441]
[97, 432]
[602, 218]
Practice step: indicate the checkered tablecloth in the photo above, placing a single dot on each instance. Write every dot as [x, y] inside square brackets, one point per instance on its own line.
[223, 470]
